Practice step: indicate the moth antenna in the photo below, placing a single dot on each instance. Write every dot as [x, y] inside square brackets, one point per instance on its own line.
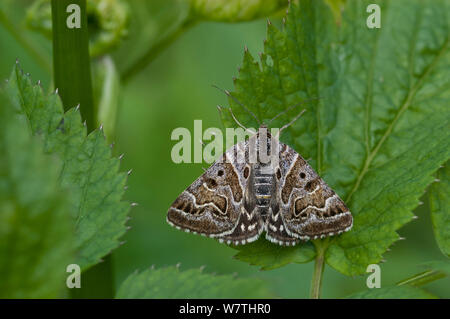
[239, 123]
[204, 169]
[238, 102]
[291, 107]
[291, 122]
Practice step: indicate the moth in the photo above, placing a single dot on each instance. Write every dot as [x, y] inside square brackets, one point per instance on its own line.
[240, 196]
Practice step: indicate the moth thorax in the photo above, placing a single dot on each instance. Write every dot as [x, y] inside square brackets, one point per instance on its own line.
[264, 148]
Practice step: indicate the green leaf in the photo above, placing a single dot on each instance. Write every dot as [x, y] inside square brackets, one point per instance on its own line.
[264, 254]
[393, 292]
[89, 170]
[172, 283]
[439, 195]
[35, 225]
[378, 131]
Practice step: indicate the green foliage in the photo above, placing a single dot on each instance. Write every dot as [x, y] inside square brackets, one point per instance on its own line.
[170, 282]
[394, 292]
[264, 254]
[378, 131]
[439, 196]
[35, 226]
[89, 171]
[377, 135]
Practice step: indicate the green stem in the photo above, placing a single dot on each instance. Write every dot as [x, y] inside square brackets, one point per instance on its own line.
[72, 75]
[319, 265]
[154, 51]
[24, 42]
[71, 61]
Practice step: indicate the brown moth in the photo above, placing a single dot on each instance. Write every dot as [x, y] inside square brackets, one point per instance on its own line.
[240, 196]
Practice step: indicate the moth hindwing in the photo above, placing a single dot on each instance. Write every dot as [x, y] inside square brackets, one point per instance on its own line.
[240, 196]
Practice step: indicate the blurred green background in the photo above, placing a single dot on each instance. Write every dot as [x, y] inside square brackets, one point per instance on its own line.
[173, 91]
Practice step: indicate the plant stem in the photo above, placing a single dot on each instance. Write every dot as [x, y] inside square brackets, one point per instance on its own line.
[24, 42]
[72, 76]
[71, 61]
[319, 265]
